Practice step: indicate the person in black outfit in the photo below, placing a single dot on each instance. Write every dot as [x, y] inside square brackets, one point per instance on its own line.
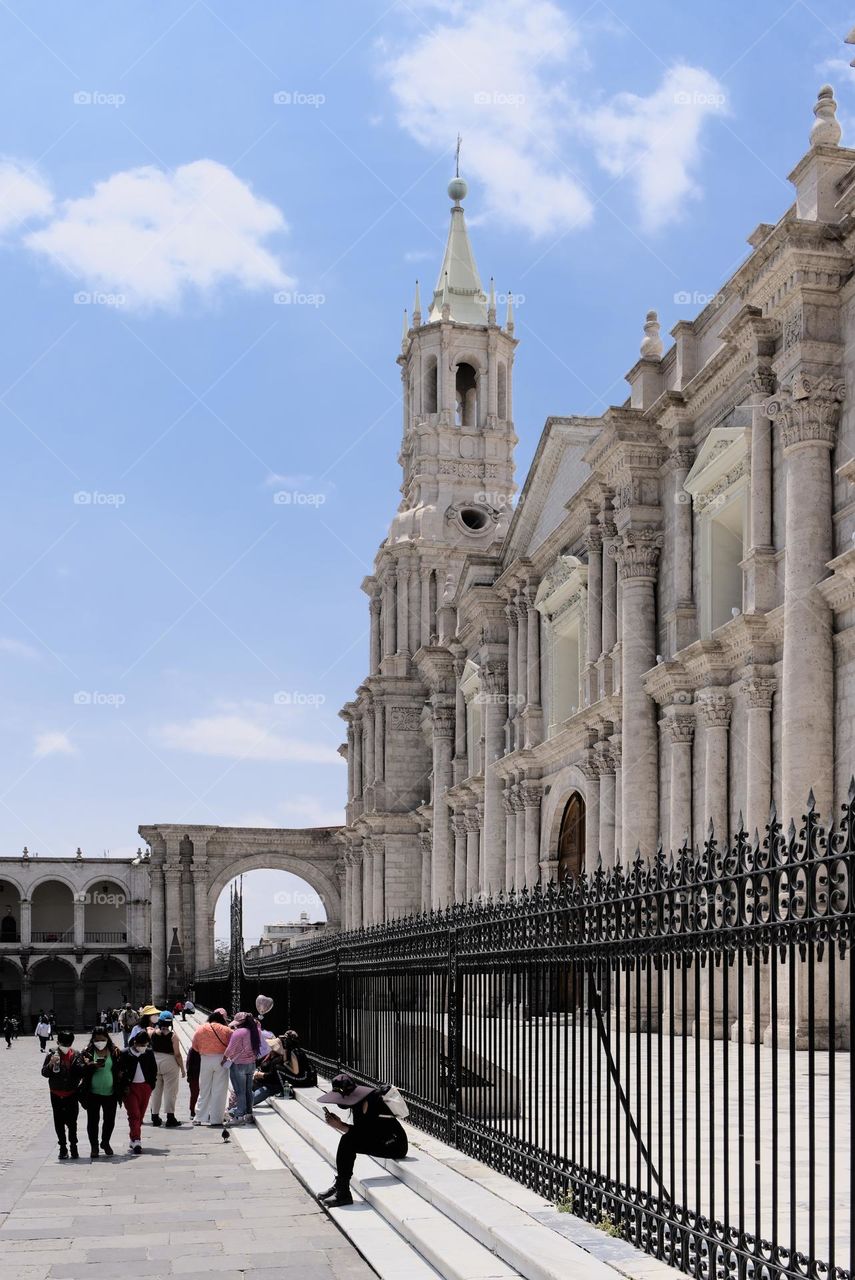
[8, 1031]
[99, 1091]
[374, 1132]
[63, 1069]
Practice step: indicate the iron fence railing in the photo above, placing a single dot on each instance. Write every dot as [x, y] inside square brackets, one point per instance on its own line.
[665, 1048]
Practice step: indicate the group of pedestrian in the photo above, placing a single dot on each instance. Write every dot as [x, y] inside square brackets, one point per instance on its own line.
[223, 1052]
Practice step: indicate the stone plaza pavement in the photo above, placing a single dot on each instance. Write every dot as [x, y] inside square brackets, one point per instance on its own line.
[190, 1205]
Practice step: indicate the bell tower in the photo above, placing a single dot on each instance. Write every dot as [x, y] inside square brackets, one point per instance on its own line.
[457, 459]
[457, 374]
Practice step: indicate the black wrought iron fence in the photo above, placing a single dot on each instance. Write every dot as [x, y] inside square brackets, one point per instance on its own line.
[666, 1048]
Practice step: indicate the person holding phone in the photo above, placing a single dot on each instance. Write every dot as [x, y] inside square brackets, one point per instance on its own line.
[374, 1131]
[63, 1070]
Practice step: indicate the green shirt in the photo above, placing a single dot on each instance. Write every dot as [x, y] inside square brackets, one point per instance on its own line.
[102, 1077]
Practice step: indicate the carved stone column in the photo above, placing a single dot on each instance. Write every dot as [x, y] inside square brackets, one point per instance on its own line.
[172, 886]
[389, 614]
[204, 943]
[402, 589]
[595, 613]
[609, 593]
[760, 567]
[458, 826]
[521, 609]
[158, 929]
[376, 639]
[379, 742]
[441, 879]
[806, 415]
[638, 558]
[759, 692]
[367, 883]
[514, 698]
[716, 707]
[592, 814]
[530, 793]
[606, 771]
[350, 762]
[347, 896]
[616, 754]
[425, 842]
[533, 710]
[355, 920]
[26, 922]
[681, 731]
[368, 771]
[494, 676]
[681, 618]
[519, 837]
[378, 867]
[357, 757]
[510, 838]
[473, 851]
[461, 748]
[79, 906]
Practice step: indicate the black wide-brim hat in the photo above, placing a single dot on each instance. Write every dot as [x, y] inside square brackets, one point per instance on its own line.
[345, 1092]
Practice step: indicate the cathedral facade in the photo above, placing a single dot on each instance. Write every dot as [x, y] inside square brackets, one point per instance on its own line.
[659, 631]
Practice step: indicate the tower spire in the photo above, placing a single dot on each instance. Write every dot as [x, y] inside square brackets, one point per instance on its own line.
[417, 308]
[458, 273]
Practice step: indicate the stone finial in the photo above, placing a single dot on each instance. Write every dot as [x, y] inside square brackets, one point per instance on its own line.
[417, 308]
[491, 303]
[826, 128]
[509, 318]
[651, 346]
[79, 853]
[26, 852]
[405, 332]
[446, 301]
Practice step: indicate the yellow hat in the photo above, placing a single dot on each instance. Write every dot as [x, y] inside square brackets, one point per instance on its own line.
[149, 1011]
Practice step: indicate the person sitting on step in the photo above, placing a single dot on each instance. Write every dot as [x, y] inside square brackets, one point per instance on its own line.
[373, 1132]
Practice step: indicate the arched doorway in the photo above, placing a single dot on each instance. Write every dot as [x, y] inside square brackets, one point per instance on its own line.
[106, 985]
[10, 990]
[279, 908]
[571, 838]
[53, 985]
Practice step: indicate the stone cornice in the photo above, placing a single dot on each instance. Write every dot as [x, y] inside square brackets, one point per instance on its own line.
[838, 591]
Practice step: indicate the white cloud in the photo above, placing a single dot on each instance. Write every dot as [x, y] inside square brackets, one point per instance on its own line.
[53, 743]
[152, 236]
[23, 195]
[526, 115]
[296, 811]
[656, 140]
[243, 735]
[18, 648]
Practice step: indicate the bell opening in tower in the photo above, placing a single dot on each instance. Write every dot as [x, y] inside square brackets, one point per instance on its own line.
[466, 388]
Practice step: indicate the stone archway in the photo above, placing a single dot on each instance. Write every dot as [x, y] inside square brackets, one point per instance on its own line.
[191, 865]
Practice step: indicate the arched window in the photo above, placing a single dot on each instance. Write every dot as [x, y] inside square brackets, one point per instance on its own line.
[502, 391]
[430, 385]
[571, 838]
[466, 396]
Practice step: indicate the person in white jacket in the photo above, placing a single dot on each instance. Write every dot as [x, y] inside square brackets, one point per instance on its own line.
[43, 1033]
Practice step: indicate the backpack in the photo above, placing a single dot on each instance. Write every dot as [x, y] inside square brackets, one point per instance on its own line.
[391, 1095]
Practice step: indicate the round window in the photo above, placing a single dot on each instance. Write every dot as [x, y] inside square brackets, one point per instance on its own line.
[474, 518]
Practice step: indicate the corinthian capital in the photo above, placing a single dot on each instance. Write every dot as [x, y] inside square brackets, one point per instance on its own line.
[637, 554]
[443, 722]
[808, 410]
[716, 708]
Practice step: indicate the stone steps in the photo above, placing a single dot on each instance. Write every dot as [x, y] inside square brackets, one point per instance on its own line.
[472, 1218]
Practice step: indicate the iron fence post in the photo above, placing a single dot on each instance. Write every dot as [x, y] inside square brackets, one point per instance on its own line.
[454, 1046]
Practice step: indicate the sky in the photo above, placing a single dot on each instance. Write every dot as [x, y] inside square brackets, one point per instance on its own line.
[211, 218]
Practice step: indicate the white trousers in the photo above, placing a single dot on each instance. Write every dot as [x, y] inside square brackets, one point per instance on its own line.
[166, 1088]
[213, 1088]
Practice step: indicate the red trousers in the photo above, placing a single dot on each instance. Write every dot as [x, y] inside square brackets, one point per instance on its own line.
[136, 1102]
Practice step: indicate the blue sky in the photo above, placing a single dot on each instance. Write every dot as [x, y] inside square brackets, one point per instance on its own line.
[167, 172]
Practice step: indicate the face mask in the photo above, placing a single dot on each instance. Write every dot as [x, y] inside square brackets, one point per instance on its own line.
[100, 1044]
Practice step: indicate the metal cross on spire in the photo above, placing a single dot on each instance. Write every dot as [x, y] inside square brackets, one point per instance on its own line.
[457, 157]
